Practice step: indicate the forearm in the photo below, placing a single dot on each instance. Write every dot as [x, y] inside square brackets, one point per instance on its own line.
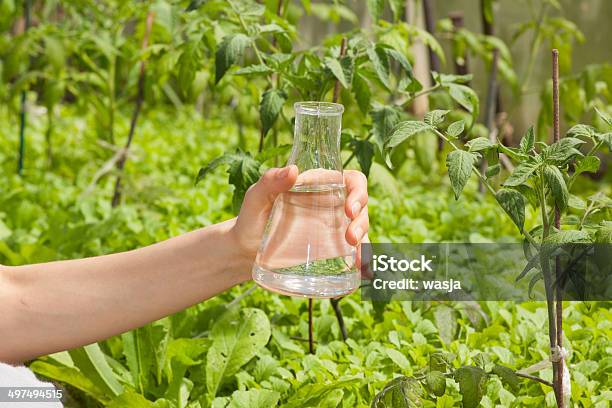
[61, 305]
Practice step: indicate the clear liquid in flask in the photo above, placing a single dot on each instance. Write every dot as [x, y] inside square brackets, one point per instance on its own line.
[304, 250]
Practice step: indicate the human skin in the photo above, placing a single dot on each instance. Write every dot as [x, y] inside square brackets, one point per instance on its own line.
[56, 306]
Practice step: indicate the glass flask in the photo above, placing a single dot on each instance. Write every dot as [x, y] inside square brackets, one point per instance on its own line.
[304, 250]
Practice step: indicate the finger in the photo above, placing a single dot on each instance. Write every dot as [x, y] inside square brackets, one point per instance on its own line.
[358, 228]
[357, 188]
[261, 195]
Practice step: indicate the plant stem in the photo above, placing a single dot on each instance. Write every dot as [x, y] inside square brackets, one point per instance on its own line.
[336, 306]
[139, 100]
[310, 334]
[534, 378]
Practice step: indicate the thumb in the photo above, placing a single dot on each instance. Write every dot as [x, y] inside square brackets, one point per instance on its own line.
[260, 197]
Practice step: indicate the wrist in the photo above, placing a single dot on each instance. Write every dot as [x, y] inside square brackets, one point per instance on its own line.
[242, 256]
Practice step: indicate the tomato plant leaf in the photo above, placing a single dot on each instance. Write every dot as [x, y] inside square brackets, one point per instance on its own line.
[401, 392]
[435, 117]
[555, 181]
[380, 62]
[405, 130]
[459, 163]
[513, 204]
[508, 377]
[364, 150]
[436, 383]
[521, 173]
[384, 120]
[271, 104]
[586, 164]
[456, 128]
[375, 8]
[527, 141]
[230, 51]
[471, 385]
[479, 144]
[361, 90]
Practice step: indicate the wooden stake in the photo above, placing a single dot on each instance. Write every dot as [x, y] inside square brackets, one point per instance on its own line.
[22, 108]
[559, 301]
[139, 100]
[461, 67]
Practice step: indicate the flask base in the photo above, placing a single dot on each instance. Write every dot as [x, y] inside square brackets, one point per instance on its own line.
[322, 286]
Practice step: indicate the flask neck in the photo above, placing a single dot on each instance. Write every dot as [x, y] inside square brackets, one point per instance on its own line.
[317, 136]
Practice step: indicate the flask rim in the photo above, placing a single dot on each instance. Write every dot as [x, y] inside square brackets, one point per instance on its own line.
[315, 108]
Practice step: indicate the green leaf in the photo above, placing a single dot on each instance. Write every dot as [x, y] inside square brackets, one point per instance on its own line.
[405, 130]
[436, 383]
[71, 376]
[555, 181]
[521, 173]
[398, 358]
[254, 398]
[580, 130]
[272, 152]
[513, 204]
[272, 102]
[230, 51]
[91, 361]
[586, 164]
[375, 8]
[459, 163]
[364, 150]
[236, 338]
[401, 392]
[605, 138]
[384, 120]
[256, 69]
[527, 141]
[471, 381]
[243, 174]
[435, 117]
[361, 89]
[561, 152]
[604, 116]
[532, 263]
[401, 59]
[187, 64]
[479, 144]
[567, 237]
[439, 361]
[508, 377]
[221, 160]
[314, 394]
[466, 97]
[493, 170]
[456, 128]
[336, 68]
[380, 62]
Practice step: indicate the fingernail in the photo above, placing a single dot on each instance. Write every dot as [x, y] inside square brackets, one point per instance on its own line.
[283, 173]
[355, 208]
